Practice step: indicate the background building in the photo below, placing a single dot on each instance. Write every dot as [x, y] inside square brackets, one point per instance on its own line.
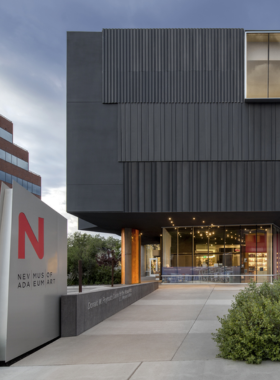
[14, 161]
[173, 134]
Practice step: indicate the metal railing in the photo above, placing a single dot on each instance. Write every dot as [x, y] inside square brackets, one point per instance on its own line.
[215, 278]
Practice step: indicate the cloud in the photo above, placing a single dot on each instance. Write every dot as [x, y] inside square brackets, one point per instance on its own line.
[33, 62]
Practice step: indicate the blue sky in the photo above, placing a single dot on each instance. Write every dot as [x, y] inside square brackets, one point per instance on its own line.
[33, 62]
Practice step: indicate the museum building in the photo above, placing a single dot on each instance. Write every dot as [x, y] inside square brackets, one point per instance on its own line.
[172, 143]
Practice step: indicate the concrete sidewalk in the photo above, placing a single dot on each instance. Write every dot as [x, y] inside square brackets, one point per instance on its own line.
[166, 335]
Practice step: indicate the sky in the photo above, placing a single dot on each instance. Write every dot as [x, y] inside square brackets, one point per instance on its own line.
[33, 63]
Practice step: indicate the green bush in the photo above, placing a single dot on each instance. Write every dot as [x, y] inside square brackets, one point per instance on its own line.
[251, 330]
[104, 275]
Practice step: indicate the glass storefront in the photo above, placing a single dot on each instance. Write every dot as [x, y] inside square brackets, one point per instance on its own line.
[221, 254]
[152, 260]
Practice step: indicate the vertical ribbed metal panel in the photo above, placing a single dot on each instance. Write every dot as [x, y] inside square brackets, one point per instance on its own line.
[203, 132]
[201, 186]
[173, 65]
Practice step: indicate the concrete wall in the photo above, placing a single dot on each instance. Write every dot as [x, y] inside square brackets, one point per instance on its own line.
[80, 312]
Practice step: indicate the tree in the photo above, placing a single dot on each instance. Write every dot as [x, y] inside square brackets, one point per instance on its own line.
[109, 259]
[89, 249]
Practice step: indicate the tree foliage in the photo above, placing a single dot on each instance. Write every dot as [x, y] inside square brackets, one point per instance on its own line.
[251, 330]
[90, 249]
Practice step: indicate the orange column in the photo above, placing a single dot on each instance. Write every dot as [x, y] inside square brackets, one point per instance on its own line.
[123, 256]
[135, 257]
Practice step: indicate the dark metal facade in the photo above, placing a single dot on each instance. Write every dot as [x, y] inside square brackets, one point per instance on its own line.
[216, 186]
[157, 123]
[173, 65]
[199, 132]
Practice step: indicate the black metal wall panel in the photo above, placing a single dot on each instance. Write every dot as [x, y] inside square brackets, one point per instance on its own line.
[202, 132]
[201, 186]
[173, 65]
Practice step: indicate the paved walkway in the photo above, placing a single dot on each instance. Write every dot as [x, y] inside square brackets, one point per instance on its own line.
[166, 335]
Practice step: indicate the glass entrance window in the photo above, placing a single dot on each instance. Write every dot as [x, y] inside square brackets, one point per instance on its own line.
[169, 249]
[152, 260]
[216, 237]
[220, 254]
[248, 253]
[185, 248]
[232, 255]
[201, 254]
[264, 253]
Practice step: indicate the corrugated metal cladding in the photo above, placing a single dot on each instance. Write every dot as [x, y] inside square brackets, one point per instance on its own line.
[199, 132]
[173, 65]
[201, 186]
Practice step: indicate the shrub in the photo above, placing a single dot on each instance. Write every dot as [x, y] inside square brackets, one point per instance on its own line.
[104, 275]
[251, 330]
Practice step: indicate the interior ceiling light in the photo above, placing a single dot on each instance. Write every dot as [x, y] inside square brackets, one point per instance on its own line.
[203, 221]
[193, 218]
[169, 218]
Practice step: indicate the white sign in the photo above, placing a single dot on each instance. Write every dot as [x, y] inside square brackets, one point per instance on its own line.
[33, 271]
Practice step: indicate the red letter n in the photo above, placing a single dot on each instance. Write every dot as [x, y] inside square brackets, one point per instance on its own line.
[24, 227]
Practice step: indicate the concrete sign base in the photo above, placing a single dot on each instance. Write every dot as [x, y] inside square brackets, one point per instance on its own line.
[81, 311]
[33, 271]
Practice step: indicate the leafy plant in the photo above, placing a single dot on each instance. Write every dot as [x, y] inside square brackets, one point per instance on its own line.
[91, 250]
[251, 330]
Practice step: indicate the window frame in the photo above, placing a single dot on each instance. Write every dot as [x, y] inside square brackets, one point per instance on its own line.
[256, 100]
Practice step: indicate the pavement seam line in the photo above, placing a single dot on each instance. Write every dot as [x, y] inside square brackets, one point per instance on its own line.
[193, 323]
[134, 371]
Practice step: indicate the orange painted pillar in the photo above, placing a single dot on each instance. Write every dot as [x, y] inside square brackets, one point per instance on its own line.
[135, 257]
[130, 256]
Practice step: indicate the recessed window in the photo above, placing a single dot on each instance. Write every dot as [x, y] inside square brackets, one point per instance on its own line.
[262, 65]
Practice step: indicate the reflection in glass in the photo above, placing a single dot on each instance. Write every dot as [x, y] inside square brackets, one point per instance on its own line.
[201, 254]
[151, 259]
[221, 254]
[274, 65]
[232, 256]
[216, 254]
[263, 65]
[249, 250]
[262, 250]
[185, 243]
[257, 65]
[170, 237]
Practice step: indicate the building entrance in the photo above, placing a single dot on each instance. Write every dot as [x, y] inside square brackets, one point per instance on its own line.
[225, 254]
[151, 259]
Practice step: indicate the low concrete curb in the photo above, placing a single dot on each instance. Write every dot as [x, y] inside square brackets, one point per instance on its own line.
[81, 311]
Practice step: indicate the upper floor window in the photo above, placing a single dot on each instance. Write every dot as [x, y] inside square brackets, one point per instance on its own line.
[6, 135]
[262, 65]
